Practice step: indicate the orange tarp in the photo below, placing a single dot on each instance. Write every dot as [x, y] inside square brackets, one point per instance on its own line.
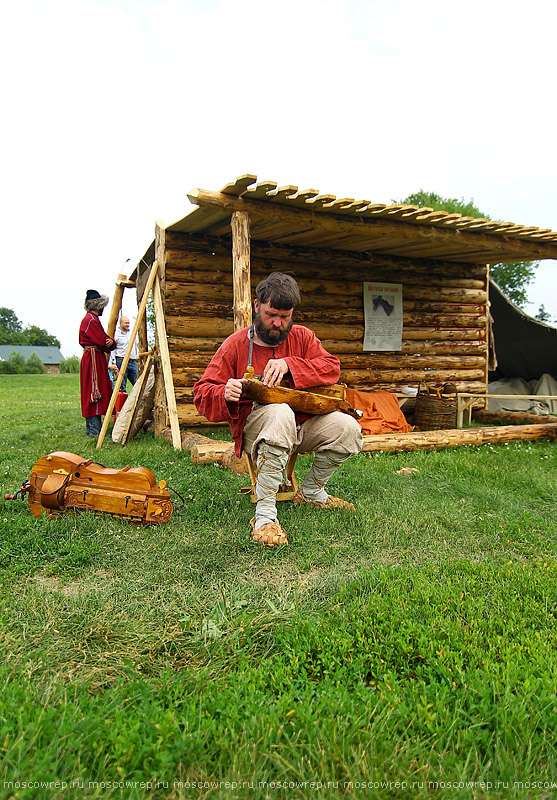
[382, 413]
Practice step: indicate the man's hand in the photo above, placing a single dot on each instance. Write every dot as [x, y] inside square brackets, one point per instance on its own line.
[274, 371]
[233, 389]
[109, 342]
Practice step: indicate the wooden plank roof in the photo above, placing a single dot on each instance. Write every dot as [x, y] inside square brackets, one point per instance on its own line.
[286, 215]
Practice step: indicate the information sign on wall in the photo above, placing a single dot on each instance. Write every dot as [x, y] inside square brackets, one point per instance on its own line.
[382, 316]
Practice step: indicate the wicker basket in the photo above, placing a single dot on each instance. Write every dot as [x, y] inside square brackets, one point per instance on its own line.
[434, 412]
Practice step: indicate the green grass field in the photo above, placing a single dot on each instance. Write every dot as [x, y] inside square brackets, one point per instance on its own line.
[403, 650]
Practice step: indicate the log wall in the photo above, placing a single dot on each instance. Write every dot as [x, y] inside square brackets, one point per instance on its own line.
[444, 308]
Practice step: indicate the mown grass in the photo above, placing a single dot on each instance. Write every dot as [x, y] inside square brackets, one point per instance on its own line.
[411, 642]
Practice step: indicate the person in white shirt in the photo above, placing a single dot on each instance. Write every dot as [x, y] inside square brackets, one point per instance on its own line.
[122, 338]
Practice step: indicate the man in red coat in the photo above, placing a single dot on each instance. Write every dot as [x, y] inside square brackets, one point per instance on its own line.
[96, 387]
[277, 349]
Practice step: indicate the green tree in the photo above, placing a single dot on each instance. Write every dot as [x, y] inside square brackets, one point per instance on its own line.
[437, 203]
[512, 277]
[70, 364]
[543, 315]
[34, 365]
[7, 368]
[13, 332]
[39, 337]
[10, 328]
[17, 360]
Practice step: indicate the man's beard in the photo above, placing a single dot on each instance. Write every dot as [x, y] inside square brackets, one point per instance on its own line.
[273, 336]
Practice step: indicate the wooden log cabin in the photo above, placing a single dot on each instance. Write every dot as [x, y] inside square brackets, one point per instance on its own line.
[210, 261]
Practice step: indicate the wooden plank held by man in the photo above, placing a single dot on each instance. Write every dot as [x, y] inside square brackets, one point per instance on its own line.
[313, 400]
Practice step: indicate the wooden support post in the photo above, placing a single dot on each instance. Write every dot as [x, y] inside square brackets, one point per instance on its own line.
[118, 384]
[162, 344]
[241, 278]
[160, 409]
[160, 253]
[143, 343]
[116, 307]
[488, 323]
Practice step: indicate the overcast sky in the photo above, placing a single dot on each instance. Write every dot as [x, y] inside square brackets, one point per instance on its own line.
[114, 109]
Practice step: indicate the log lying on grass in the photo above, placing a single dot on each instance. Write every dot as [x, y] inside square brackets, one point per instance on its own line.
[208, 451]
[439, 440]
[512, 417]
[223, 452]
[188, 438]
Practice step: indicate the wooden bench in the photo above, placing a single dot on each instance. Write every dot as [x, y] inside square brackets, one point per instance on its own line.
[466, 400]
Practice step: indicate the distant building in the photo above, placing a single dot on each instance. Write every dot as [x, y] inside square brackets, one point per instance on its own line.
[50, 356]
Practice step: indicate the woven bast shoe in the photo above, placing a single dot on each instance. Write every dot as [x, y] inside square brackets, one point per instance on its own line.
[332, 502]
[272, 534]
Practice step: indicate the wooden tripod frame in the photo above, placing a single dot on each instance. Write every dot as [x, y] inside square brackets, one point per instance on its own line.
[153, 283]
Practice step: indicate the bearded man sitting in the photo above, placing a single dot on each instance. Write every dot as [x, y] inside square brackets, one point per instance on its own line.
[278, 349]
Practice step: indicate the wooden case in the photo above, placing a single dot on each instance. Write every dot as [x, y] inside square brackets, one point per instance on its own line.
[62, 481]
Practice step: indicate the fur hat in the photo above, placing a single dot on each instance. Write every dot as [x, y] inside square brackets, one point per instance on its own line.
[94, 301]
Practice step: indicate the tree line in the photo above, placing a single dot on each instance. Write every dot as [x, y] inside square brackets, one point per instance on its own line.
[16, 364]
[13, 332]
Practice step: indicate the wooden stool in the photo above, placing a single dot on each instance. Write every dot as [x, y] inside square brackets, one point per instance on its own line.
[286, 491]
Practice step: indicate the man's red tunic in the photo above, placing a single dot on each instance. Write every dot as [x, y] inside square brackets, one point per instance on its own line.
[308, 362]
[93, 339]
